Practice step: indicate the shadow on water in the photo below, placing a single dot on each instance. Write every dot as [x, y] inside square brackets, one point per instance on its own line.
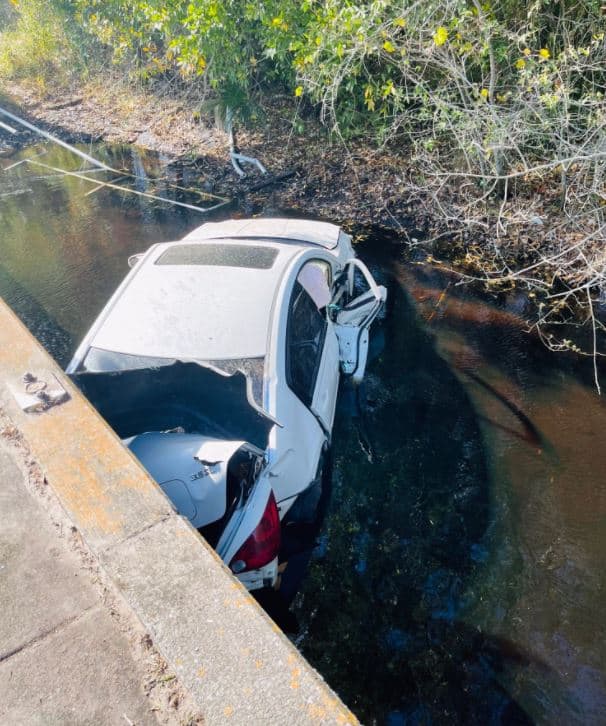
[494, 326]
[381, 608]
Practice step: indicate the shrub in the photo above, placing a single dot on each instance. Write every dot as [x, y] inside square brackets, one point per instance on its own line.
[40, 44]
[503, 110]
[228, 47]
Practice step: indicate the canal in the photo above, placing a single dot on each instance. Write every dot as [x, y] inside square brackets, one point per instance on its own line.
[460, 574]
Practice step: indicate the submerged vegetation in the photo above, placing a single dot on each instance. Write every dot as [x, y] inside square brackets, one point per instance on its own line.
[495, 112]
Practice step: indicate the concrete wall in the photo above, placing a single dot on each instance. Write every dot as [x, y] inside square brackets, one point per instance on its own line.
[233, 659]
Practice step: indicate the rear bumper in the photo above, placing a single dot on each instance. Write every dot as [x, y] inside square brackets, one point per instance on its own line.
[263, 577]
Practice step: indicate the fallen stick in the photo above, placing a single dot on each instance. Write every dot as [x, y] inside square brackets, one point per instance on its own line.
[54, 139]
[18, 163]
[77, 175]
[102, 184]
[56, 176]
[8, 128]
[275, 178]
[100, 164]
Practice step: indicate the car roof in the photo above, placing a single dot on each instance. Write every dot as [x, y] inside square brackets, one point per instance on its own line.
[196, 300]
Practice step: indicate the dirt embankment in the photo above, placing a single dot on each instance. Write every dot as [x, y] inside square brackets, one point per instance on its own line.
[324, 177]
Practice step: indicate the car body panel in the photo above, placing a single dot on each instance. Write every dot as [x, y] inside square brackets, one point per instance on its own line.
[171, 458]
[324, 401]
[163, 312]
[212, 451]
[356, 311]
[301, 430]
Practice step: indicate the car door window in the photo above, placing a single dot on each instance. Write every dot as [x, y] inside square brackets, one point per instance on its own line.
[306, 329]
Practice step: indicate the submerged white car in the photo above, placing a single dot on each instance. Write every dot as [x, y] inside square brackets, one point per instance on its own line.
[217, 361]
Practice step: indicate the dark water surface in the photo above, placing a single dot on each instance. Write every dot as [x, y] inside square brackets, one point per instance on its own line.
[460, 577]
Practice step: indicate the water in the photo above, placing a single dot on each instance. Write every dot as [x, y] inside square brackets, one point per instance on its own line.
[65, 245]
[460, 574]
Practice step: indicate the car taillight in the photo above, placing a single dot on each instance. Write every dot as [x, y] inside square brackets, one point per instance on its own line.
[263, 544]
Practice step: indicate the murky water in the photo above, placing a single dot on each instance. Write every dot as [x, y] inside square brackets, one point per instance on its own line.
[65, 242]
[460, 577]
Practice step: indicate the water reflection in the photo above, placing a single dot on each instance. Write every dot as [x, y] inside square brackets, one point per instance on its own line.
[46, 328]
[63, 247]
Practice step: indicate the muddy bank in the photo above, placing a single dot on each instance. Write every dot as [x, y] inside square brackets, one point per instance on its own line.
[323, 176]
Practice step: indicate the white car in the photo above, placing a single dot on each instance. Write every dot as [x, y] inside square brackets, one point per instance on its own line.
[217, 361]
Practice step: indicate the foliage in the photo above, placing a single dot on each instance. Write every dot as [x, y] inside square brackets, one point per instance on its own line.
[368, 64]
[7, 13]
[228, 47]
[423, 69]
[39, 44]
[503, 109]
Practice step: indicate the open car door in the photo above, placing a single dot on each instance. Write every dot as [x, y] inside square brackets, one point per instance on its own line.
[357, 300]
